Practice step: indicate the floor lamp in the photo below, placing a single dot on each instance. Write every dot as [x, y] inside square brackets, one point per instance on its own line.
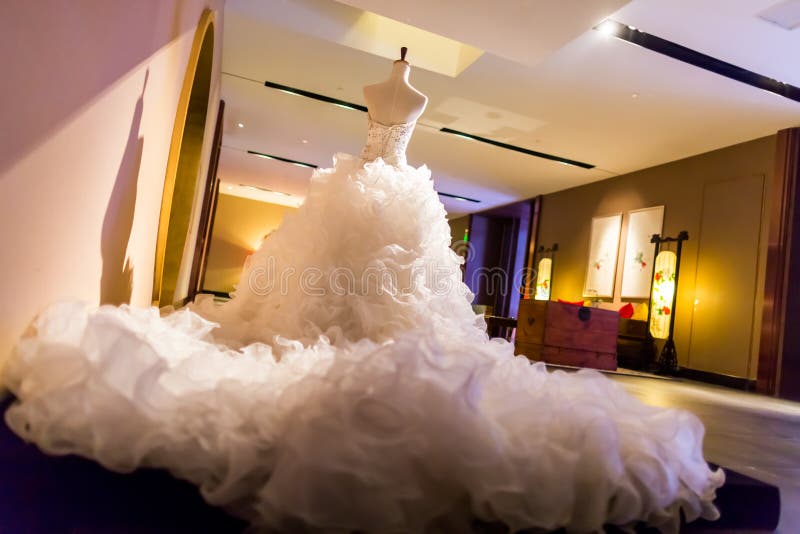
[663, 296]
[544, 272]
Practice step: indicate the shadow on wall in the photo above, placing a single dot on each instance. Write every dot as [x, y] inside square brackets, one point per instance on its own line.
[91, 59]
[116, 283]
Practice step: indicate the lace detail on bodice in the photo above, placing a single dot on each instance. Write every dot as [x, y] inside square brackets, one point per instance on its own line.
[388, 142]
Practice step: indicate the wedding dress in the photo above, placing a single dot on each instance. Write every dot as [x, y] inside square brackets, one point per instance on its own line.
[349, 386]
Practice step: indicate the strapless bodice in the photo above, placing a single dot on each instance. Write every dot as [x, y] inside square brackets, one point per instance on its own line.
[388, 142]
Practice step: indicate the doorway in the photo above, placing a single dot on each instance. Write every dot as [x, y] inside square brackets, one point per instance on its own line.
[174, 252]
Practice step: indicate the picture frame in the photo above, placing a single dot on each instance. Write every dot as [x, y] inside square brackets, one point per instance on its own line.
[637, 268]
[601, 267]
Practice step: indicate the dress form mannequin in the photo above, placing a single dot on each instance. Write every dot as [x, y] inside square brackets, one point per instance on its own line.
[395, 101]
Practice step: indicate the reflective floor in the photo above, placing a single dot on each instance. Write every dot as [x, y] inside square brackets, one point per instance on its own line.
[755, 435]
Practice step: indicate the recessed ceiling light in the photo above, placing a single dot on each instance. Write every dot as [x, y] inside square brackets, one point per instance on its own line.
[240, 124]
[304, 141]
[635, 95]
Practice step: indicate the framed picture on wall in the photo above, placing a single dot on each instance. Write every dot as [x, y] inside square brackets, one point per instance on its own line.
[638, 266]
[603, 250]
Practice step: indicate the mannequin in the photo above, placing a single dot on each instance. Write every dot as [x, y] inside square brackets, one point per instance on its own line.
[395, 101]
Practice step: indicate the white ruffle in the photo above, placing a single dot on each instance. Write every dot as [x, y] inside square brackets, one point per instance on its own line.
[370, 412]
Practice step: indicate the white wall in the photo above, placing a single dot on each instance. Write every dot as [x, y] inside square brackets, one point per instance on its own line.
[84, 145]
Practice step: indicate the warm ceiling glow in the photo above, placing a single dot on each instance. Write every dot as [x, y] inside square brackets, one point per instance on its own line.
[240, 125]
[260, 194]
[383, 37]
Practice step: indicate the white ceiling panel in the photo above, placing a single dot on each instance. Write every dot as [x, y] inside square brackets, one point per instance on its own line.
[576, 102]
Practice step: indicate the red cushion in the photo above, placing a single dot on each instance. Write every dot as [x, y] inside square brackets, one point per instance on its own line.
[626, 312]
[574, 303]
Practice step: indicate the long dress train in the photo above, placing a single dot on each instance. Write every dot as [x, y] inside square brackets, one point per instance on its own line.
[349, 386]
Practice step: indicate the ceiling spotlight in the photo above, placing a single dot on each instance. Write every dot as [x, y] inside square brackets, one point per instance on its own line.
[304, 141]
[635, 95]
[607, 27]
[240, 124]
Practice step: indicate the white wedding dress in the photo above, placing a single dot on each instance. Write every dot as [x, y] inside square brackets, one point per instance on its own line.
[349, 386]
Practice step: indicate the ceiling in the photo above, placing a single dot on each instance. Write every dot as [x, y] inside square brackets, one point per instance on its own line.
[545, 81]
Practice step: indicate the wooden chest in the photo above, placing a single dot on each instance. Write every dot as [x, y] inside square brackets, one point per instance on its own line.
[566, 334]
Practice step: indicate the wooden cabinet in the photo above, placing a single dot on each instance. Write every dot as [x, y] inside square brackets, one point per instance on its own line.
[567, 334]
[635, 349]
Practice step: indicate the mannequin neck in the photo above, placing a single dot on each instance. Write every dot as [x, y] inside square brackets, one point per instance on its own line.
[400, 71]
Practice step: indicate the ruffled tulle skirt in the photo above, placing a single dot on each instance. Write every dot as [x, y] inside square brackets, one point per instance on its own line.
[378, 406]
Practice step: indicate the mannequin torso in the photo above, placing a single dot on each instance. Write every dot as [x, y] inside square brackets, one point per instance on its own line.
[395, 101]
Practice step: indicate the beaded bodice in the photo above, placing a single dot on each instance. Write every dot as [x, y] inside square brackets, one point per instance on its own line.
[388, 142]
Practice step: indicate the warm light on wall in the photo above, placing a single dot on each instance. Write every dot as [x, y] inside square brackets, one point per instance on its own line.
[663, 293]
[543, 276]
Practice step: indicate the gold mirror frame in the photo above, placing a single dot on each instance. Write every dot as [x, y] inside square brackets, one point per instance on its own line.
[184, 160]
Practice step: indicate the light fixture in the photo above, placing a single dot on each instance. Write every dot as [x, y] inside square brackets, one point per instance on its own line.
[544, 273]
[240, 124]
[635, 95]
[527, 151]
[304, 141]
[316, 96]
[663, 294]
[230, 188]
[608, 27]
[457, 197]
[692, 57]
[663, 297]
[285, 160]
[265, 189]
[507, 146]
[350, 105]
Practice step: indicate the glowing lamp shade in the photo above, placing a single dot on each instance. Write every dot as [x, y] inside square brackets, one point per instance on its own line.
[663, 292]
[543, 279]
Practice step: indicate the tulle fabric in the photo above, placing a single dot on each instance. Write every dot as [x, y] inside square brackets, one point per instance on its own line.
[379, 411]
